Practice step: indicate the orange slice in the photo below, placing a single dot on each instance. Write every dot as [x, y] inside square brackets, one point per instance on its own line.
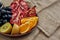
[33, 22]
[24, 28]
[26, 19]
[28, 24]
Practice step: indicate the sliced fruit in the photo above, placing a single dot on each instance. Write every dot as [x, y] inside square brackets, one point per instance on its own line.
[15, 29]
[6, 28]
[33, 22]
[26, 19]
[28, 25]
[24, 28]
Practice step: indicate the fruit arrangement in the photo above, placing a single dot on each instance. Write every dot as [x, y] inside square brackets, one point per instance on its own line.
[18, 18]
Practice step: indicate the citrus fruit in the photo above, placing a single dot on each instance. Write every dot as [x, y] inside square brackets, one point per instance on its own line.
[24, 20]
[24, 28]
[15, 29]
[33, 22]
[29, 23]
[6, 28]
[27, 19]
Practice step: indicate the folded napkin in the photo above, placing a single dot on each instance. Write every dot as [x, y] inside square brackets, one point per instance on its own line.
[48, 21]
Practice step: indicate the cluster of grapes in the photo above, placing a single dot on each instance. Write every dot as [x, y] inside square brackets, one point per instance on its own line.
[5, 14]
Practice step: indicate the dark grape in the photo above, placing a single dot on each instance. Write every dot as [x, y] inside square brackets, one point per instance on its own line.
[9, 16]
[0, 4]
[0, 9]
[3, 11]
[4, 21]
[7, 8]
[1, 22]
[5, 16]
[8, 12]
[0, 14]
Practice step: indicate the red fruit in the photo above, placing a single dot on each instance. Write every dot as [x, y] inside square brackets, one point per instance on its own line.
[24, 5]
[20, 9]
[31, 12]
[16, 17]
[13, 5]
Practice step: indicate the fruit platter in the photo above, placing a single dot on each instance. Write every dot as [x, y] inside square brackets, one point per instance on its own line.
[17, 19]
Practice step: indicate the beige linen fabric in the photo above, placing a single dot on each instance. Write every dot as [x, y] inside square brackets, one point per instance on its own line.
[40, 4]
[50, 19]
[6, 2]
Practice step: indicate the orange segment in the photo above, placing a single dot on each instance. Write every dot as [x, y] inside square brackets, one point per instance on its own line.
[26, 19]
[29, 24]
[24, 27]
[33, 22]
